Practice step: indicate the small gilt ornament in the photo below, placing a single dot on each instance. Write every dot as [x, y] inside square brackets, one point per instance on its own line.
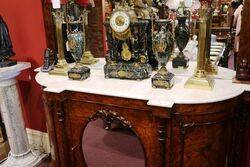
[126, 54]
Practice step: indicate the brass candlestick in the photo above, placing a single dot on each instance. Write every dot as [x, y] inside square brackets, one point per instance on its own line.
[87, 57]
[200, 80]
[210, 68]
[62, 67]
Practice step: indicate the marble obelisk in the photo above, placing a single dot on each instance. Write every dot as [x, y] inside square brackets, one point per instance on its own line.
[20, 154]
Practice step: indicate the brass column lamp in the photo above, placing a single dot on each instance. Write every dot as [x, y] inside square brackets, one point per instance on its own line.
[200, 80]
[87, 57]
[62, 67]
[210, 68]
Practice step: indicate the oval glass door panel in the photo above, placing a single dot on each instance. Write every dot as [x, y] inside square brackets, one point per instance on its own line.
[114, 147]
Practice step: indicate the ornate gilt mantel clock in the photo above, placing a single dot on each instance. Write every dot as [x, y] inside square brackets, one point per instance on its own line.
[126, 37]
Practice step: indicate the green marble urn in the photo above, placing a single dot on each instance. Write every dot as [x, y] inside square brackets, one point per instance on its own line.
[181, 40]
[163, 45]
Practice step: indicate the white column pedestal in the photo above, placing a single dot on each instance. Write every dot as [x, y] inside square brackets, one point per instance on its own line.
[21, 154]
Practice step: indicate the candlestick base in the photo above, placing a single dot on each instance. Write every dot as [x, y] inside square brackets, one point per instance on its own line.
[88, 58]
[195, 82]
[61, 68]
[210, 68]
[28, 159]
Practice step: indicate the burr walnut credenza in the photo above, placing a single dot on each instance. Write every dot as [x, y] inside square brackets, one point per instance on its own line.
[176, 128]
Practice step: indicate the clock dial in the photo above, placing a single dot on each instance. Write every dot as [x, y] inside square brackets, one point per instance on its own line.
[119, 21]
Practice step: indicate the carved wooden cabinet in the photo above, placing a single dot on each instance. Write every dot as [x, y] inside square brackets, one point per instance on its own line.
[190, 135]
[176, 128]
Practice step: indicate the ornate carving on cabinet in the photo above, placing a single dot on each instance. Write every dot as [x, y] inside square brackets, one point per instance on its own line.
[162, 134]
[199, 135]
[208, 146]
[80, 109]
[110, 115]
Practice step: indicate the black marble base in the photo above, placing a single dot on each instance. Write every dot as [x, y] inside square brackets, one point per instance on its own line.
[133, 71]
[180, 62]
[165, 81]
[79, 73]
[7, 63]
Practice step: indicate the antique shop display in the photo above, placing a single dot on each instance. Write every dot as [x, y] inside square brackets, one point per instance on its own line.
[163, 45]
[126, 37]
[181, 38]
[62, 67]
[47, 65]
[210, 68]
[200, 80]
[20, 155]
[75, 35]
[5, 46]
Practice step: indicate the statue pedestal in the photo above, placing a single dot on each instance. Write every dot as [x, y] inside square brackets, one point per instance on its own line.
[180, 62]
[21, 154]
[163, 79]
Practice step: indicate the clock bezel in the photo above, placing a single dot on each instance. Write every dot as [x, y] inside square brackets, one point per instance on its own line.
[117, 28]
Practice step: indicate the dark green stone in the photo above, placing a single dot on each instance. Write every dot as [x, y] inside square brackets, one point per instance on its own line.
[122, 70]
[80, 73]
[181, 39]
[163, 81]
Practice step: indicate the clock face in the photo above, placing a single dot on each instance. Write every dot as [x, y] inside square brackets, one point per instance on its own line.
[119, 21]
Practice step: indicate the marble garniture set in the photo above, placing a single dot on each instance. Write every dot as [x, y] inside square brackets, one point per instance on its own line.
[138, 42]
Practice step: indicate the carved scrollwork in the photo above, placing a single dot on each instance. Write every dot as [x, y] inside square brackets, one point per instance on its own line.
[106, 114]
[162, 135]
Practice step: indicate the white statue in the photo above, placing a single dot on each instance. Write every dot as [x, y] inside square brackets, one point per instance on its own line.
[191, 49]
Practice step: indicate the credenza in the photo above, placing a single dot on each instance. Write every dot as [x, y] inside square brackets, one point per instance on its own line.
[176, 128]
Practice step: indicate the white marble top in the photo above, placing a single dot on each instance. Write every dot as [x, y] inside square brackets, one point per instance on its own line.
[224, 88]
[12, 71]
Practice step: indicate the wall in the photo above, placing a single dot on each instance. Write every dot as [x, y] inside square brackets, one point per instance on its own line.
[25, 22]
